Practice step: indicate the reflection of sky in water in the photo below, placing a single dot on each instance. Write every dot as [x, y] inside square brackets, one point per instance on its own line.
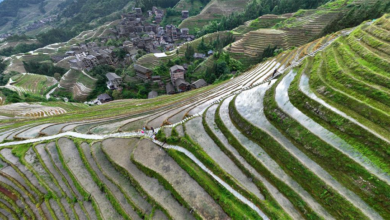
[284, 103]
[250, 104]
[305, 88]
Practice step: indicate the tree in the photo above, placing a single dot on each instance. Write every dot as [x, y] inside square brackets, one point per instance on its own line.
[116, 94]
[189, 54]
[221, 68]
[202, 47]
[170, 63]
[57, 76]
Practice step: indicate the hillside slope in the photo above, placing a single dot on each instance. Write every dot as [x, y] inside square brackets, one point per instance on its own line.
[20, 14]
[214, 10]
[303, 27]
[36, 16]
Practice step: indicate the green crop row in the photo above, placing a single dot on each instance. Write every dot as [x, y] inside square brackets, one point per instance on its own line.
[321, 87]
[187, 143]
[270, 206]
[320, 191]
[344, 169]
[50, 193]
[87, 196]
[373, 42]
[166, 184]
[339, 76]
[304, 209]
[377, 150]
[366, 53]
[377, 32]
[140, 213]
[359, 67]
[19, 197]
[18, 211]
[229, 203]
[29, 184]
[70, 200]
[48, 171]
[100, 184]
[137, 186]
[9, 210]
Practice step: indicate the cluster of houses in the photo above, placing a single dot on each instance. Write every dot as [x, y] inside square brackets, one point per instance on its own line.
[158, 14]
[4, 36]
[38, 24]
[150, 36]
[178, 82]
[90, 55]
[140, 35]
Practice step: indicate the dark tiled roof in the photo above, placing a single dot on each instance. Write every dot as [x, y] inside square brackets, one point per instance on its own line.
[169, 88]
[112, 76]
[104, 96]
[176, 67]
[152, 94]
[199, 83]
[181, 81]
[141, 69]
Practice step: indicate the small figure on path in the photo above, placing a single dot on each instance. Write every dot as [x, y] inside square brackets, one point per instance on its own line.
[152, 129]
[273, 74]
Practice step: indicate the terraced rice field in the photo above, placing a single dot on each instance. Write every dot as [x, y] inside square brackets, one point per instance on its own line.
[34, 84]
[212, 11]
[300, 29]
[311, 143]
[33, 110]
[78, 83]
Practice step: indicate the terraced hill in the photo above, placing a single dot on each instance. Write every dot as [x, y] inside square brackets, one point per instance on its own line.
[22, 16]
[32, 83]
[77, 84]
[310, 143]
[301, 28]
[214, 10]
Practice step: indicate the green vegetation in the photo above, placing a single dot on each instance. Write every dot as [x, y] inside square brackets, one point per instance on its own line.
[132, 89]
[257, 8]
[325, 195]
[16, 38]
[20, 48]
[134, 182]
[357, 15]
[330, 159]
[4, 78]
[229, 203]
[373, 147]
[165, 183]
[321, 79]
[10, 8]
[20, 150]
[14, 97]
[101, 185]
[294, 198]
[187, 143]
[148, 4]
[271, 207]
